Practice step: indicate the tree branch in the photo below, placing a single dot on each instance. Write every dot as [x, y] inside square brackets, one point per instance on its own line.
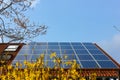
[1, 10]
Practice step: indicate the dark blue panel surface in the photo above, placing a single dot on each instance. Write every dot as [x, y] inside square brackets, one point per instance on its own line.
[78, 47]
[91, 47]
[95, 52]
[22, 57]
[53, 47]
[67, 52]
[107, 64]
[101, 57]
[89, 64]
[34, 57]
[76, 43]
[41, 47]
[70, 57]
[57, 51]
[81, 52]
[52, 43]
[39, 51]
[69, 66]
[85, 57]
[65, 43]
[86, 44]
[66, 47]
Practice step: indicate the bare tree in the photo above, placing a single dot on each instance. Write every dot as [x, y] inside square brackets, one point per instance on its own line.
[116, 28]
[14, 25]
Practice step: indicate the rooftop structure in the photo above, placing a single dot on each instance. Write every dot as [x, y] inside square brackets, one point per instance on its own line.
[89, 56]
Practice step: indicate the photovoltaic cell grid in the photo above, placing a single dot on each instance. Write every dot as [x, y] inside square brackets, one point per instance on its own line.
[86, 54]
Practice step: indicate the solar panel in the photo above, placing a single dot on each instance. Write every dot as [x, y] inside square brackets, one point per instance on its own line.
[89, 64]
[65, 43]
[70, 57]
[88, 55]
[95, 52]
[79, 52]
[91, 47]
[67, 52]
[85, 57]
[34, 57]
[101, 57]
[76, 43]
[40, 47]
[53, 47]
[66, 47]
[78, 47]
[52, 43]
[107, 64]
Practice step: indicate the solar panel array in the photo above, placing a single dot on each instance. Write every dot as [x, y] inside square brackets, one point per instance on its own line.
[86, 54]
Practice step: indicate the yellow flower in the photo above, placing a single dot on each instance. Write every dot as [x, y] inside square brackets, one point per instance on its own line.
[82, 78]
[17, 64]
[65, 56]
[10, 67]
[25, 62]
[53, 55]
[68, 63]
[54, 60]
[42, 55]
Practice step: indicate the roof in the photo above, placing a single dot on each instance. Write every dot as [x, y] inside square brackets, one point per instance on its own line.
[88, 55]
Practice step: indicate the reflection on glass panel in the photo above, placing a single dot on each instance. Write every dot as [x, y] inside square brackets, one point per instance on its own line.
[81, 52]
[25, 51]
[52, 43]
[32, 43]
[23, 57]
[95, 52]
[41, 43]
[107, 64]
[40, 47]
[67, 52]
[76, 43]
[28, 47]
[39, 51]
[53, 47]
[85, 57]
[101, 57]
[68, 66]
[89, 64]
[69, 57]
[66, 47]
[78, 47]
[65, 43]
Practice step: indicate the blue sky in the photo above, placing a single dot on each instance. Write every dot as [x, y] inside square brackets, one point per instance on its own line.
[80, 21]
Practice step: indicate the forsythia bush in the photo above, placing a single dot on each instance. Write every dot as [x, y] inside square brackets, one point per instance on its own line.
[38, 70]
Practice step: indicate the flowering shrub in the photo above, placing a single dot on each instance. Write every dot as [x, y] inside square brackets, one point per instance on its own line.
[39, 71]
